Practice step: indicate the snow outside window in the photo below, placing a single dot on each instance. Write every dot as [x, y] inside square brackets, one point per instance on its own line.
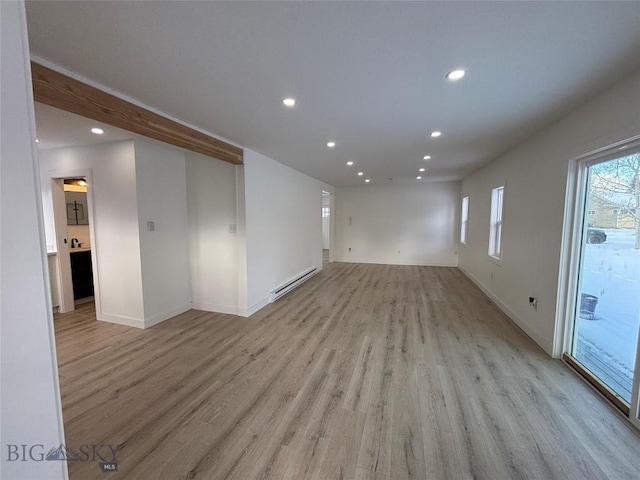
[495, 232]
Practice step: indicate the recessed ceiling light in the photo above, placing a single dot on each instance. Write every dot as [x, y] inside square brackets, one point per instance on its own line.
[427, 157]
[349, 163]
[456, 75]
[289, 102]
[367, 180]
[360, 174]
[97, 131]
[421, 170]
[418, 177]
[37, 141]
[331, 144]
[436, 134]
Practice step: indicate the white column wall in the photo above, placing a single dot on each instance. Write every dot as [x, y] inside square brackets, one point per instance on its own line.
[161, 193]
[213, 248]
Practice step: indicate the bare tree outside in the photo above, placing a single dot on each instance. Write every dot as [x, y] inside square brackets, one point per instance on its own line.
[618, 182]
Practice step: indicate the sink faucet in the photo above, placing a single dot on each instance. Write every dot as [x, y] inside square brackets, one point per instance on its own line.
[75, 243]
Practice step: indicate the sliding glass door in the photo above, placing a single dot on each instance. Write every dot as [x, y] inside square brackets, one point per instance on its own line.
[607, 304]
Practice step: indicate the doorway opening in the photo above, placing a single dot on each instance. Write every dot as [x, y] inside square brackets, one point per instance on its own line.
[79, 238]
[603, 314]
[75, 255]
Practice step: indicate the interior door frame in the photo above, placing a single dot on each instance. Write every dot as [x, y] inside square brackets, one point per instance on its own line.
[574, 227]
[65, 285]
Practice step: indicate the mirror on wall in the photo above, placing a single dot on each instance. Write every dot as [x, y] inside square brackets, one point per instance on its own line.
[76, 200]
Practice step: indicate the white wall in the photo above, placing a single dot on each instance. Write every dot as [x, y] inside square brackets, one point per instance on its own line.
[536, 176]
[53, 282]
[164, 253]
[81, 232]
[117, 242]
[29, 392]
[283, 226]
[399, 224]
[211, 205]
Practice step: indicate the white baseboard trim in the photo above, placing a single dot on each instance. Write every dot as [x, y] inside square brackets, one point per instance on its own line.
[524, 326]
[406, 264]
[215, 308]
[253, 309]
[161, 317]
[128, 321]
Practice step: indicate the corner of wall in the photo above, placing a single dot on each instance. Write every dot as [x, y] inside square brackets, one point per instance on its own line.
[515, 318]
[161, 317]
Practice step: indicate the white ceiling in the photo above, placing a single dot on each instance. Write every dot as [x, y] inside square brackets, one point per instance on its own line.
[367, 75]
[56, 128]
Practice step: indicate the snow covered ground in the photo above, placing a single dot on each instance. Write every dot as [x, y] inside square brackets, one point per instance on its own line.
[607, 343]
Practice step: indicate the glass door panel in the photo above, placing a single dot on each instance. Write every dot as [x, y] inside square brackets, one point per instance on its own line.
[607, 316]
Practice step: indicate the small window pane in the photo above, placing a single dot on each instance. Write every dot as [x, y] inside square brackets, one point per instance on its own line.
[495, 230]
[464, 221]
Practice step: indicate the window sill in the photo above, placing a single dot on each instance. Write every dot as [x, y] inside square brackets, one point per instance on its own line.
[496, 260]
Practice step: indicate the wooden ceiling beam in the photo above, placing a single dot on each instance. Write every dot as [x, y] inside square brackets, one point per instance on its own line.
[63, 92]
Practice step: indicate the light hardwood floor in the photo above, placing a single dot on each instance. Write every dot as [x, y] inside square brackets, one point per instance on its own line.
[365, 372]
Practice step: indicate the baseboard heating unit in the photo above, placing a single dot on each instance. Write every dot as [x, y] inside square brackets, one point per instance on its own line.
[290, 284]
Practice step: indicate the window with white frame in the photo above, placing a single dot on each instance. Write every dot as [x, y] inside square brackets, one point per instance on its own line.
[495, 232]
[464, 220]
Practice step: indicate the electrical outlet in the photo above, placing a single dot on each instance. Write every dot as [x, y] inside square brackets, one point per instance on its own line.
[533, 302]
[233, 228]
[349, 248]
